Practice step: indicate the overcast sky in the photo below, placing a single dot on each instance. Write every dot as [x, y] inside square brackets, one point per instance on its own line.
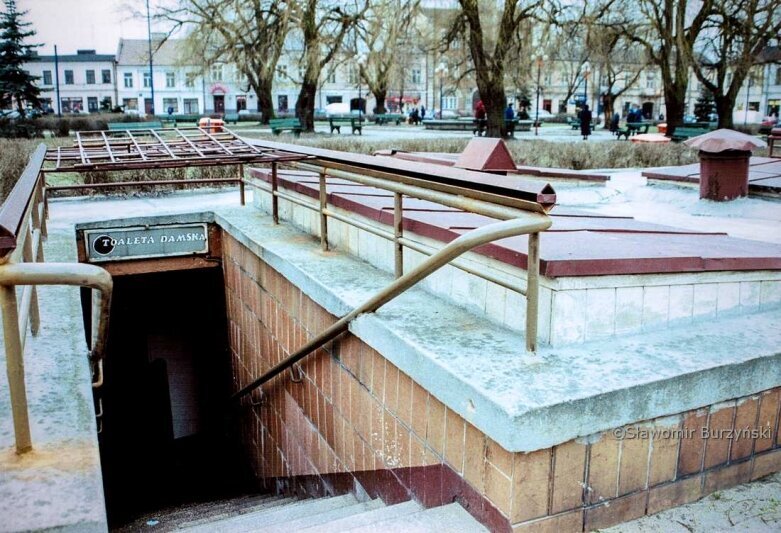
[84, 24]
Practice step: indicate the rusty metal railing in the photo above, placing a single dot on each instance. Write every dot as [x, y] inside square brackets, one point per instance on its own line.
[516, 217]
[22, 231]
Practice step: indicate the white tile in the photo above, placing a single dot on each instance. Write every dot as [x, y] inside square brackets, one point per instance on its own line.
[749, 294]
[729, 297]
[494, 302]
[600, 313]
[706, 297]
[656, 306]
[629, 309]
[515, 311]
[770, 293]
[681, 302]
[568, 317]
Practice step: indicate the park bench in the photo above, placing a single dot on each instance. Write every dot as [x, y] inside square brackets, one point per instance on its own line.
[119, 126]
[278, 125]
[387, 118]
[355, 123]
[231, 117]
[631, 128]
[575, 124]
[685, 132]
[449, 124]
[775, 135]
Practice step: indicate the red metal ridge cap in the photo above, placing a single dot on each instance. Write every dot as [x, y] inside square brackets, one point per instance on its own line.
[510, 186]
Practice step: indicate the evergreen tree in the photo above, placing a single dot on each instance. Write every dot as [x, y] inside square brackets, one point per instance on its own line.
[704, 106]
[17, 86]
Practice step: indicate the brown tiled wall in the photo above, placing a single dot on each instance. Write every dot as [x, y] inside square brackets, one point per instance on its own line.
[354, 414]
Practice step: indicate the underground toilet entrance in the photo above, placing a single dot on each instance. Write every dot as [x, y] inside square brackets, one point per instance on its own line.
[166, 437]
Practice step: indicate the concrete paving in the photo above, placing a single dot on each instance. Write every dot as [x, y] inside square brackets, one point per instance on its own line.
[754, 507]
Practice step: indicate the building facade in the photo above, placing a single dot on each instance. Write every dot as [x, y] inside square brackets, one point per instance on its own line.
[85, 81]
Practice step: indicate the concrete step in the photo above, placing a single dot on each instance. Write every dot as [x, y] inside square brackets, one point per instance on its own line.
[322, 520]
[256, 521]
[450, 518]
[224, 513]
[170, 518]
[366, 518]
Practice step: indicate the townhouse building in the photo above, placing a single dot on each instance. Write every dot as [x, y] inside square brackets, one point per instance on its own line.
[86, 81]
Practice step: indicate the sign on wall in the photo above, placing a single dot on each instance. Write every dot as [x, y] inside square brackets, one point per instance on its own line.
[142, 242]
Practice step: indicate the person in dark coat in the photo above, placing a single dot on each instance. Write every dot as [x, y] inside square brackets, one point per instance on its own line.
[585, 122]
[614, 122]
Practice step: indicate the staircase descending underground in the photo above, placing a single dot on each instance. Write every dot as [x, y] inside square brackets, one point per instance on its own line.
[282, 514]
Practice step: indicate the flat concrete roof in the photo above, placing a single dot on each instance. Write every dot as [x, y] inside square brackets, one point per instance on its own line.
[579, 243]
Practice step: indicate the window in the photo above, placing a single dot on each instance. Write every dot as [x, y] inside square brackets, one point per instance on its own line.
[190, 106]
[241, 102]
[71, 105]
[216, 73]
[128, 77]
[90, 77]
[105, 75]
[333, 99]
[105, 104]
[416, 78]
[189, 79]
[332, 76]
[650, 80]
[547, 79]
[778, 76]
[47, 77]
[281, 72]
[170, 80]
[282, 102]
[171, 104]
[352, 75]
[130, 104]
[147, 80]
[92, 103]
[68, 77]
[449, 102]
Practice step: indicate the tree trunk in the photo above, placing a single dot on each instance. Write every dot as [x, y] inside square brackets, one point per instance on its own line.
[379, 98]
[494, 99]
[265, 101]
[674, 103]
[724, 107]
[305, 105]
[607, 101]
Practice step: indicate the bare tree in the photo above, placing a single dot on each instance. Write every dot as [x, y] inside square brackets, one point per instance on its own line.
[250, 34]
[731, 44]
[323, 27]
[491, 30]
[620, 63]
[380, 36]
[667, 31]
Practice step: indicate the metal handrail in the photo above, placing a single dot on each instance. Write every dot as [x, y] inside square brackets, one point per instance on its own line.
[531, 223]
[22, 231]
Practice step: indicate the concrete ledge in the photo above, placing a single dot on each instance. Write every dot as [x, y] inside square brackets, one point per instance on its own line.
[481, 371]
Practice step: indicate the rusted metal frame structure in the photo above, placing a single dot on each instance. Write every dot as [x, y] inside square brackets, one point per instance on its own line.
[158, 149]
[516, 217]
[22, 231]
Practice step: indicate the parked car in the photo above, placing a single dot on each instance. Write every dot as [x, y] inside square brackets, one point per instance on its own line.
[543, 115]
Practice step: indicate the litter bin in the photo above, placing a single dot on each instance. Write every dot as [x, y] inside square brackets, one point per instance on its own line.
[211, 125]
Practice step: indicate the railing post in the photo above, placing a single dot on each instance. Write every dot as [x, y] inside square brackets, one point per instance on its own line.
[532, 291]
[398, 229]
[323, 216]
[15, 369]
[274, 197]
[241, 184]
[27, 257]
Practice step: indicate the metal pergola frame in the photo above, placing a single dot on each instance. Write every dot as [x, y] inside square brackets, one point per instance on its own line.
[116, 150]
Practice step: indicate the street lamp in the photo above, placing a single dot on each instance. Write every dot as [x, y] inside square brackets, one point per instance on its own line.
[748, 94]
[442, 71]
[540, 60]
[586, 73]
[360, 61]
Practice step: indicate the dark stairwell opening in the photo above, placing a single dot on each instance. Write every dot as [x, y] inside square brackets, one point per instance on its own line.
[165, 438]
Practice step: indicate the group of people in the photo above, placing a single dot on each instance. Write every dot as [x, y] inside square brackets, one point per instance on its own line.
[416, 117]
